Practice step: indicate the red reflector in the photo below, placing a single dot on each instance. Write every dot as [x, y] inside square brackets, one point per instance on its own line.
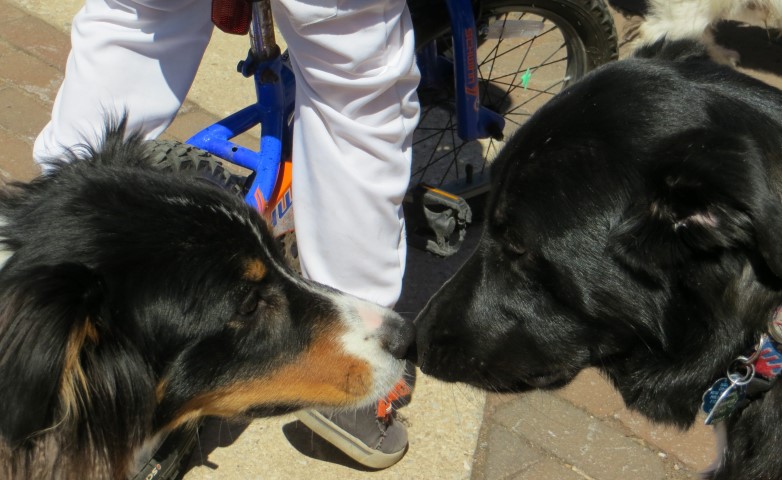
[232, 16]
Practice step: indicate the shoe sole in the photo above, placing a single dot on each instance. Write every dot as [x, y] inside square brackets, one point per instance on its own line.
[347, 443]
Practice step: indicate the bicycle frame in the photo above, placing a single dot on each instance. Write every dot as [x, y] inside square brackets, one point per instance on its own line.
[275, 90]
[269, 184]
[474, 121]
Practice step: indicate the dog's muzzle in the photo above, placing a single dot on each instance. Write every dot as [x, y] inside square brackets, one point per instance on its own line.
[397, 336]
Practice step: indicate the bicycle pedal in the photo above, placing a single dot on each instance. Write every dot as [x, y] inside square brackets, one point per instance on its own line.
[436, 220]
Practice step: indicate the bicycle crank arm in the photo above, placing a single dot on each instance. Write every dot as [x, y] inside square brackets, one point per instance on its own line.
[436, 220]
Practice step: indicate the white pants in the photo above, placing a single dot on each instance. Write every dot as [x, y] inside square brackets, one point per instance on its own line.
[355, 114]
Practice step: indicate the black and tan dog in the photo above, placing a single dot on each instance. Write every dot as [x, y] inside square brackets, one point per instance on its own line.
[635, 225]
[133, 301]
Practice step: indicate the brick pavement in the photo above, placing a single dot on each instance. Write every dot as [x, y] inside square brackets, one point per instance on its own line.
[32, 60]
[581, 432]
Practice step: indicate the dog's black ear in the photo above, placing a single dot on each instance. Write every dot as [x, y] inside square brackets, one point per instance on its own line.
[48, 316]
[705, 191]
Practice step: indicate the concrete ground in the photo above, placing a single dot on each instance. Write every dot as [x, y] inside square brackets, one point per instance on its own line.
[580, 432]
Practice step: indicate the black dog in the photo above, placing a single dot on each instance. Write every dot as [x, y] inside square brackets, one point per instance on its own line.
[133, 301]
[634, 226]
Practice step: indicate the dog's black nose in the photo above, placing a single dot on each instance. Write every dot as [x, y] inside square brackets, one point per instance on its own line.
[398, 335]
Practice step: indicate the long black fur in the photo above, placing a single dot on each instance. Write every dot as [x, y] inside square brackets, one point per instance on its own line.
[48, 289]
[133, 301]
[634, 226]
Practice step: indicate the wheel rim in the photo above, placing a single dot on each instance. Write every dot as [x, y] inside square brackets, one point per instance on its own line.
[514, 41]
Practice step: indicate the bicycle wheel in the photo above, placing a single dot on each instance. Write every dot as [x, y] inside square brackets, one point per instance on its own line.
[173, 156]
[528, 51]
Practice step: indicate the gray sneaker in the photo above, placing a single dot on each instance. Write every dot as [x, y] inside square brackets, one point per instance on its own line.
[371, 441]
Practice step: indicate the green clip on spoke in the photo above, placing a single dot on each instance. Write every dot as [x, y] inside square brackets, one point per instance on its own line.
[525, 79]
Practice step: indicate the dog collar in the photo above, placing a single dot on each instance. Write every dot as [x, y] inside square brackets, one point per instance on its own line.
[748, 378]
[775, 325]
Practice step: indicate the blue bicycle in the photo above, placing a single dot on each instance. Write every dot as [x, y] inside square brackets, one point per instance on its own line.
[486, 67]
[479, 84]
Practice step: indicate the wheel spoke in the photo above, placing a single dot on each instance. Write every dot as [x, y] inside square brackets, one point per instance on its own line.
[546, 91]
[523, 44]
[498, 79]
[505, 56]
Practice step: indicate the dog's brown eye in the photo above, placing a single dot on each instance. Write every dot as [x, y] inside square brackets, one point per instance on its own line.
[250, 303]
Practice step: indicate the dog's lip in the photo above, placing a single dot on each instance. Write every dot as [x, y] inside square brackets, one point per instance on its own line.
[515, 382]
[544, 379]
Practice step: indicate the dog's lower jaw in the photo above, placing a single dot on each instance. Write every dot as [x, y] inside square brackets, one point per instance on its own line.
[325, 376]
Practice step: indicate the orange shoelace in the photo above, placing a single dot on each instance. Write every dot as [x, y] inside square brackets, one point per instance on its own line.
[385, 406]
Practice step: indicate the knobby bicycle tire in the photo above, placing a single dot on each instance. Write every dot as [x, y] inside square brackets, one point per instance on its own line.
[528, 51]
[173, 156]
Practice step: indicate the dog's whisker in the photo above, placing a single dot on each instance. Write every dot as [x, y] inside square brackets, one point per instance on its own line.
[200, 449]
[231, 436]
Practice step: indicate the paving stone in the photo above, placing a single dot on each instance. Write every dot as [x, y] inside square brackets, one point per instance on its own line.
[578, 438]
[551, 469]
[22, 114]
[9, 13]
[190, 120]
[591, 391]
[695, 448]
[16, 159]
[29, 73]
[39, 39]
[507, 453]
[496, 400]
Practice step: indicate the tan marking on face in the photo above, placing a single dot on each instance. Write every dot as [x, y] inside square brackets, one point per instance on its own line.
[254, 270]
[160, 390]
[73, 384]
[323, 375]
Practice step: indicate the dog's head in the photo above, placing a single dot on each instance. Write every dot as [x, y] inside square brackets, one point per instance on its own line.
[631, 227]
[132, 301]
